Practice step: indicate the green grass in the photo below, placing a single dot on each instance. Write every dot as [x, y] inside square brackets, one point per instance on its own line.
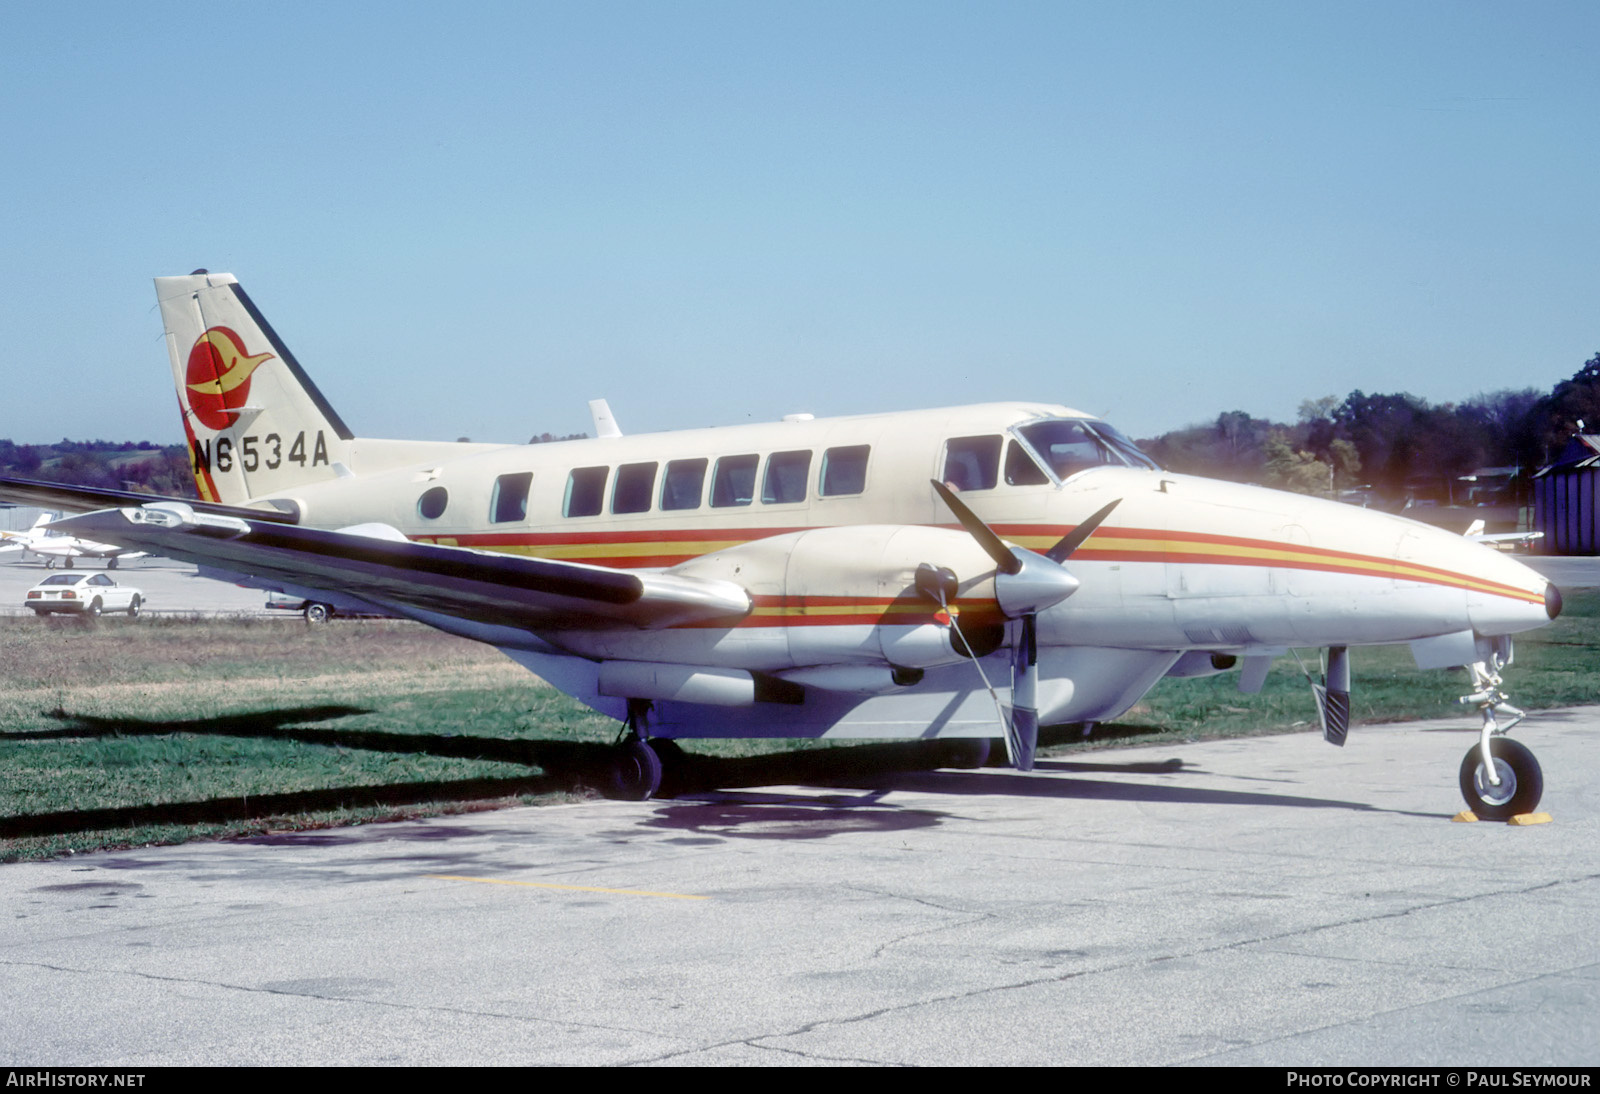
[109, 731]
[115, 734]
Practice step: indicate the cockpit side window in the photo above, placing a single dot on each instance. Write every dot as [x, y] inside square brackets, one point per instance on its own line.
[972, 463]
[1020, 468]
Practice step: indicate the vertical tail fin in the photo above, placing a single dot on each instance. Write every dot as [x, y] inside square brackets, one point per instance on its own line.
[256, 424]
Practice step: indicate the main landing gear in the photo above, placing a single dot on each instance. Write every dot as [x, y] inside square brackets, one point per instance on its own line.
[635, 771]
[1500, 778]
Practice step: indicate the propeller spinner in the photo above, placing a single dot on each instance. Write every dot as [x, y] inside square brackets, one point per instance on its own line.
[1026, 583]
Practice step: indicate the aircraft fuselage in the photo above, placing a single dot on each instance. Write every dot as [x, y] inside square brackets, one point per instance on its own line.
[806, 514]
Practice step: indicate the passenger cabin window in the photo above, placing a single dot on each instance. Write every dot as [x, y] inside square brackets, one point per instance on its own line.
[972, 463]
[844, 470]
[683, 484]
[586, 491]
[785, 481]
[734, 482]
[636, 485]
[509, 501]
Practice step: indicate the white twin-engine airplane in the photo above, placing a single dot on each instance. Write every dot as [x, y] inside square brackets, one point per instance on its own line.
[928, 574]
[54, 546]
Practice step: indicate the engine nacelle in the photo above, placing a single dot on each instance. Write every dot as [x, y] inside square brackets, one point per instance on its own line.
[849, 595]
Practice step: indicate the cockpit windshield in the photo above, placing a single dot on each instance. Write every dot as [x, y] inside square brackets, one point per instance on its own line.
[1068, 445]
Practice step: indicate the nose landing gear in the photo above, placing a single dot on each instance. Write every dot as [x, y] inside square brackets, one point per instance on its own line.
[1500, 778]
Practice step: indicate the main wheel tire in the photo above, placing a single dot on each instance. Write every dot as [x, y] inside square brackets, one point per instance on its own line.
[66, 564]
[635, 771]
[111, 563]
[1521, 780]
[318, 613]
[95, 608]
[133, 608]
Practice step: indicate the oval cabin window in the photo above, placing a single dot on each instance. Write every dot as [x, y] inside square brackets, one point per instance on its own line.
[431, 504]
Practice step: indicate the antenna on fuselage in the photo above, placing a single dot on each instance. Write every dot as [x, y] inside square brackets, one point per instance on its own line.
[605, 425]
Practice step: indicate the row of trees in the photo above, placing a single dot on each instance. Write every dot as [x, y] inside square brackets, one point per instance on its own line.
[104, 464]
[1398, 446]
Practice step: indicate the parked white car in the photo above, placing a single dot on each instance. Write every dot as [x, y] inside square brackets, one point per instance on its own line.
[315, 611]
[84, 594]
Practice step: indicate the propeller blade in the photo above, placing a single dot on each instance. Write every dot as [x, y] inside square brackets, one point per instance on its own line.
[1074, 539]
[1022, 735]
[1024, 586]
[992, 545]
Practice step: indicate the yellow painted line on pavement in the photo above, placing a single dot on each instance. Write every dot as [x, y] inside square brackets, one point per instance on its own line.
[574, 888]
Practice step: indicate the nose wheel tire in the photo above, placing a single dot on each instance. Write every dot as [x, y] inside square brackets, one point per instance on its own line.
[1521, 780]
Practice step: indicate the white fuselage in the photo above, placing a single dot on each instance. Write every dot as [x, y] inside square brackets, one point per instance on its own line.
[824, 521]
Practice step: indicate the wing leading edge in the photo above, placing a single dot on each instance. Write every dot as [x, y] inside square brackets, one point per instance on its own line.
[409, 578]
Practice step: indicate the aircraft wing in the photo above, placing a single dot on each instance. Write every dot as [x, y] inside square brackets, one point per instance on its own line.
[80, 499]
[378, 565]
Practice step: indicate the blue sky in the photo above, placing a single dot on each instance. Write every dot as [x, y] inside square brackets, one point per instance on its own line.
[469, 219]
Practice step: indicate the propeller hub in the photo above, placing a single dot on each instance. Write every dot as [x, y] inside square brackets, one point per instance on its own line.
[1036, 584]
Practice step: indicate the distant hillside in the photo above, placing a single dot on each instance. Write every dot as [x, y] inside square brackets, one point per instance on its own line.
[127, 465]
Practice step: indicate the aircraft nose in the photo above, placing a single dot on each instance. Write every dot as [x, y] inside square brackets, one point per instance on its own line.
[1507, 596]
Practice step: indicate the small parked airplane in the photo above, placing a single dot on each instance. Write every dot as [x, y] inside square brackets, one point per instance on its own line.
[1501, 541]
[927, 574]
[53, 546]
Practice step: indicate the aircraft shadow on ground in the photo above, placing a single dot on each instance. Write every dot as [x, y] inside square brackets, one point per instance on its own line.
[565, 766]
